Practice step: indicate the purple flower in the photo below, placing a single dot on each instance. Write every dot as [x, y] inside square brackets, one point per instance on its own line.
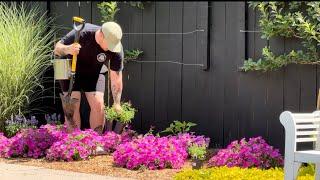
[156, 152]
[253, 153]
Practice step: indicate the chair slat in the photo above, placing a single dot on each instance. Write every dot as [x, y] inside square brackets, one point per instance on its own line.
[307, 126]
[307, 133]
[306, 139]
[304, 115]
[312, 120]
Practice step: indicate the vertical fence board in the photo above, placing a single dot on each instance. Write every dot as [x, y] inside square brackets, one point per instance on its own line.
[234, 19]
[85, 11]
[148, 69]
[132, 72]
[217, 51]
[195, 82]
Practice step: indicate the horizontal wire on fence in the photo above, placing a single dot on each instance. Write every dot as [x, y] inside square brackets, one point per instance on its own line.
[251, 31]
[184, 33]
[152, 33]
[173, 62]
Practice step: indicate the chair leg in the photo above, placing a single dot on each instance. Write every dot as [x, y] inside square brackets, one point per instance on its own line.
[317, 171]
[289, 170]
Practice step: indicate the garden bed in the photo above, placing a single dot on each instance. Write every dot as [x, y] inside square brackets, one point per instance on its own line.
[102, 165]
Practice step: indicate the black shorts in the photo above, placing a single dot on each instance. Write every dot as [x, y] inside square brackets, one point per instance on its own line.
[85, 83]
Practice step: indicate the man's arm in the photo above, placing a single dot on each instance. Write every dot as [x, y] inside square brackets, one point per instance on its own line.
[62, 50]
[116, 86]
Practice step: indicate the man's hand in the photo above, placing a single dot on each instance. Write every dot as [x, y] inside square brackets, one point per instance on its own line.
[73, 49]
[62, 50]
[117, 108]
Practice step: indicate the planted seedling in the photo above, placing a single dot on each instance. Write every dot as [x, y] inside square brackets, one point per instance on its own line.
[198, 155]
[132, 54]
[123, 118]
[179, 127]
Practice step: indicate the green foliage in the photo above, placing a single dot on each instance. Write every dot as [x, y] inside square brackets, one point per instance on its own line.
[308, 169]
[300, 20]
[12, 129]
[25, 46]
[125, 116]
[197, 152]
[108, 10]
[151, 132]
[225, 173]
[178, 127]
[137, 4]
[132, 54]
[15, 124]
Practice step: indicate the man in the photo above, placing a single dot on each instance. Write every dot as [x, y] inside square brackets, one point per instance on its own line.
[97, 46]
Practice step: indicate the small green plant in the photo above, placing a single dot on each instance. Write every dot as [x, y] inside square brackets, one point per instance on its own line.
[178, 127]
[124, 117]
[15, 124]
[53, 119]
[132, 54]
[197, 152]
[137, 4]
[307, 169]
[108, 10]
[151, 132]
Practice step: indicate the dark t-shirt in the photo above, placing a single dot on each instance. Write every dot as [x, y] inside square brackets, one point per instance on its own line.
[91, 56]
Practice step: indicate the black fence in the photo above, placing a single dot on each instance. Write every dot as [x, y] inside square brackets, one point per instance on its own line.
[225, 103]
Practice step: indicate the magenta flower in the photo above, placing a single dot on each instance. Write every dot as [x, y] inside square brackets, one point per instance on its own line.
[253, 153]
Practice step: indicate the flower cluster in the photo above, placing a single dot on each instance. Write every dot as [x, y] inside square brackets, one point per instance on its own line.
[80, 145]
[187, 139]
[112, 140]
[152, 152]
[30, 143]
[53, 142]
[253, 153]
[75, 146]
[4, 145]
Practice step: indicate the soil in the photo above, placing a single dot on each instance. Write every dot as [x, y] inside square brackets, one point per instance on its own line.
[102, 165]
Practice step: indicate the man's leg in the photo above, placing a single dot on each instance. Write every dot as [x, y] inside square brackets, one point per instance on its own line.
[97, 116]
[76, 115]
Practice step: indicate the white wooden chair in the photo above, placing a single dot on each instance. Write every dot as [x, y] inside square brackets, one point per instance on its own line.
[300, 127]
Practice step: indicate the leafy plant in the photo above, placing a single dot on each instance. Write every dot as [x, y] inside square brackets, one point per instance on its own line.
[25, 47]
[126, 115]
[300, 20]
[15, 124]
[108, 10]
[307, 169]
[197, 152]
[178, 127]
[225, 173]
[132, 54]
[137, 4]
